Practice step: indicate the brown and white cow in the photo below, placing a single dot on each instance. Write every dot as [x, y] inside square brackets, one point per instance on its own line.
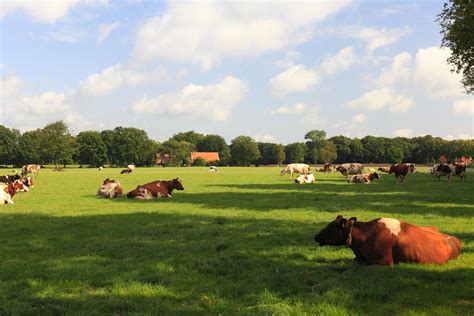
[7, 192]
[400, 170]
[459, 170]
[347, 169]
[28, 181]
[20, 186]
[442, 170]
[305, 179]
[327, 167]
[126, 171]
[110, 189]
[33, 169]
[156, 189]
[387, 241]
[364, 178]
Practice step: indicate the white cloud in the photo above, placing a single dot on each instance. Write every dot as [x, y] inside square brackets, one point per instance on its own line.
[45, 12]
[459, 136]
[115, 77]
[265, 138]
[464, 107]
[400, 70]
[48, 102]
[105, 30]
[207, 32]
[433, 73]
[9, 86]
[379, 98]
[403, 132]
[213, 102]
[63, 36]
[375, 38]
[298, 108]
[359, 118]
[294, 79]
[343, 60]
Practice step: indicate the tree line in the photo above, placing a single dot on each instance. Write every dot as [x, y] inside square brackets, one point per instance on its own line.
[54, 144]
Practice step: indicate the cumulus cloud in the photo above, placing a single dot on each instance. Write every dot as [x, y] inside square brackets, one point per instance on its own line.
[186, 31]
[48, 102]
[213, 102]
[105, 29]
[403, 132]
[115, 77]
[307, 113]
[343, 60]
[298, 108]
[464, 107]
[49, 12]
[294, 79]
[359, 118]
[9, 86]
[265, 138]
[379, 98]
[400, 70]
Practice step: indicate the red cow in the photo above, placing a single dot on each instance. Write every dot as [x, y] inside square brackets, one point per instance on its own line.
[387, 241]
[400, 170]
[156, 189]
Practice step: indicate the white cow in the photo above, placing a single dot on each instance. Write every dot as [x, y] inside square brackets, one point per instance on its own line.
[131, 167]
[302, 179]
[301, 168]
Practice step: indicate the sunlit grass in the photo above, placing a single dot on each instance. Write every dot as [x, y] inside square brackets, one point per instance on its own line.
[235, 242]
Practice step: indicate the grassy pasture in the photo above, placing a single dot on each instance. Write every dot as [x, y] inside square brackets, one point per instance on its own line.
[236, 242]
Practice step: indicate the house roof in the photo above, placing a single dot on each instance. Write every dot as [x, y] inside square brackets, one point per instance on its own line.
[207, 156]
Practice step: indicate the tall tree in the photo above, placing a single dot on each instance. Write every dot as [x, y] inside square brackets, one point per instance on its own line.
[457, 25]
[315, 141]
[328, 153]
[179, 152]
[190, 137]
[132, 145]
[29, 148]
[244, 151]
[91, 148]
[295, 152]
[343, 148]
[56, 143]
[271, 153]
[9, 145]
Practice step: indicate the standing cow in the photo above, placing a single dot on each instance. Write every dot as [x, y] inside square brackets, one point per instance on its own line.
[301, 168]
[33, 169]
[347, 169]
[387, 241]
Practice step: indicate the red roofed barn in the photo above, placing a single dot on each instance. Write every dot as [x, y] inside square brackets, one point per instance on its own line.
[207, 156]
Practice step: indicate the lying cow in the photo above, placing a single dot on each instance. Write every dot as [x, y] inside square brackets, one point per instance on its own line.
[387, 241]
[364, 178]
[7, 191]
[302, 179]
[110, 189]
[301, 168]
[9, 179]
[28, 181]
[126, 171]
[20, 186]
[400, 170]
[347, 169]
[156, 189]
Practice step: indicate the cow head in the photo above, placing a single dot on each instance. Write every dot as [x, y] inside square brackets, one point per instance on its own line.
[375, 175]
[27, 182]
[106, 181]
[177, 184]
[334, 233]
[135, 192]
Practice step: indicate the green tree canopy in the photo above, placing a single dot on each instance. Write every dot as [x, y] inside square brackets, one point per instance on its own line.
[244, 151]
[295, 152]
[9, 145]
[91, 148]
[210, 143]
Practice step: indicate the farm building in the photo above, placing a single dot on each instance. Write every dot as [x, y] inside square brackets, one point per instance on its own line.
[207, 156]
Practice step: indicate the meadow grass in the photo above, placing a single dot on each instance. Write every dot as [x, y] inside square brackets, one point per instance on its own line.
[236, 242]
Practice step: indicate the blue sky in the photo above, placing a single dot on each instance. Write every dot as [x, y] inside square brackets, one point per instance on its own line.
[270, 70]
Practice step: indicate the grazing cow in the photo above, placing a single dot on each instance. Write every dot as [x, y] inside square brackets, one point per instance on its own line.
[126, 171]
[7, 191]
[400, 170]
[363, 178]
[110, 189]
[347, 169]
[459, 170]
[309, 178]
[387, 241]
[156, 189]
[301, 168]
[442, 170]
[384, 169]
[33, 169]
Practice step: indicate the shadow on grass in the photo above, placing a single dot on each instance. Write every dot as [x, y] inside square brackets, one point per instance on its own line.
[172, 263]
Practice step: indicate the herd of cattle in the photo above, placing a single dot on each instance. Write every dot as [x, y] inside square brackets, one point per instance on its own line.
[382, 241]
[354, 172]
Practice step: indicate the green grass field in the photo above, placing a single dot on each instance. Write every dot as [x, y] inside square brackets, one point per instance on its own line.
[236, 242]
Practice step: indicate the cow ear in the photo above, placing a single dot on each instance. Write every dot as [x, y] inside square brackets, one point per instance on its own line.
[354, 219]
[138, 186]
[343, 222]
[338, 218]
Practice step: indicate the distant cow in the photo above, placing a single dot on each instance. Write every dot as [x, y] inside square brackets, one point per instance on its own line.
[327, 167]
[212, 169]
[131, 167]
[400, 170]
[110, 189]
[33, 169]
[7, 191]
[459, 170]
[363, 178]
[347, 169]
[387, 241]
[101, 168]
[384, 169]
[442, 170]
[301, 168]
[302, 179]
[156, 189]
[126, 171]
